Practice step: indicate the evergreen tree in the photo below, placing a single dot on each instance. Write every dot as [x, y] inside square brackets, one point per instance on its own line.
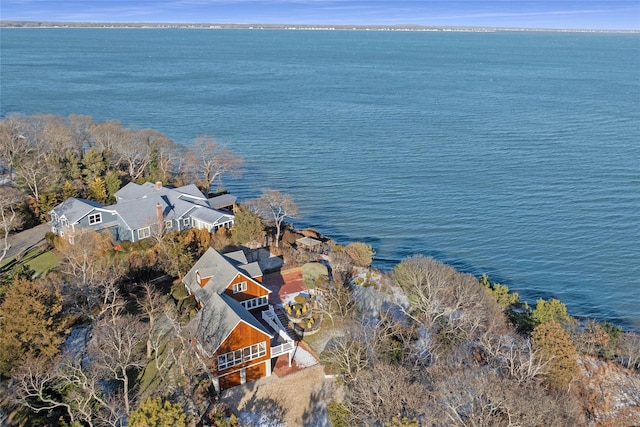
[69, 190]
[551, 311]
[30, 322]
[98, 190]
[499, 292]
[247, 227]
[558, 350]
[113, 184]
[154, 413]
[94, 164]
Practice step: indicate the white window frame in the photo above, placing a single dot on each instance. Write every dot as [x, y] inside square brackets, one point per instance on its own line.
[246, 354]
[186, 222]
[250, 304]
[95, 218]
[143, 233]
[239, 287]
[168, 224]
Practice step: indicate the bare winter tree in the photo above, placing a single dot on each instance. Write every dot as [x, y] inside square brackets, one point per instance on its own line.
[629, 345]
[116, 350]
[348, 355]
[107, 138]
[66, 385]
[276, 206]
[151, 303]
[13, 143]
[10, 217]
[80, 127]
[90, 271]
[515, 356]
[138, 152]
[384, 394]
[209, 161]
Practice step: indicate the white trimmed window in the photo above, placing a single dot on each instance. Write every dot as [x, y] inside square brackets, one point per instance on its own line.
[168, 225]
[95, 218]
[186, 222]
[255, 302]
[143, 233]
[239, 287]
[246, 354]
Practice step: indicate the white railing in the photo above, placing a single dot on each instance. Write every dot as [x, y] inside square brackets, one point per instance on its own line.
[282, 348]
[272, 319]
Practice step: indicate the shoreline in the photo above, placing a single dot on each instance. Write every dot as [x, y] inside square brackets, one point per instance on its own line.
[306, 27]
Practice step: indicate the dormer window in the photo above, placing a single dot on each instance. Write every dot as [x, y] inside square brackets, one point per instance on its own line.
[95, 218]
[239, 287]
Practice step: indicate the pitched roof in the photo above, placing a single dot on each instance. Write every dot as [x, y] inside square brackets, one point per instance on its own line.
[220, 313]
[192, 191]
[74, 209]
[216, 321]
[217, 268]
[210, 216]
[137, 204]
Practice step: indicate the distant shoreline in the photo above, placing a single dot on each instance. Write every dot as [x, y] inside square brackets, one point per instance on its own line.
[320, 27]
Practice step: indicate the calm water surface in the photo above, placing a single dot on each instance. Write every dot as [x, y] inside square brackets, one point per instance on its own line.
[514, 154]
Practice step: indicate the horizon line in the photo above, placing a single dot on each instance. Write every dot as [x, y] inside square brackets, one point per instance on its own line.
[11, 23]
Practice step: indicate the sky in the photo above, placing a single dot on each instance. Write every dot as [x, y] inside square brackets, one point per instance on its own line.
[557, 14]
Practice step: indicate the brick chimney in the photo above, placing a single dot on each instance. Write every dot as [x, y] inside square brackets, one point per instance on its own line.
[158, 185]
[159, 216]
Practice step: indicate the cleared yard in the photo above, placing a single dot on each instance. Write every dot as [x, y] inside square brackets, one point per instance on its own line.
[298, 399]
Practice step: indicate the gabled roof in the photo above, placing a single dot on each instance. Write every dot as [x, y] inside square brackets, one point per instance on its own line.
[133, 191]
[236, 257]
[191, 191]
[220, 313]
[136, 204]
[138, 213]
[217, 320]
[210, 216]
[213, 265]
[239, 261]
[74, 209]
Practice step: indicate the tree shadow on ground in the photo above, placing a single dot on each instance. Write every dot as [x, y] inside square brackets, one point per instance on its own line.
[315, 415]
[262, 412]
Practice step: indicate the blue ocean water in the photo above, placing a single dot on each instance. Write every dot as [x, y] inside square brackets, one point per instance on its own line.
[513, 154]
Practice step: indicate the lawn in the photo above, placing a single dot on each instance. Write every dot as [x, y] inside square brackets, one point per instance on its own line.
[38, 259]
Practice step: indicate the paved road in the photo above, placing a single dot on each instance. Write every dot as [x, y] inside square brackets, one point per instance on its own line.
[24, 240]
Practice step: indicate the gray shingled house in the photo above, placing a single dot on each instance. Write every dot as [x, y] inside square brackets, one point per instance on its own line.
[139, 211]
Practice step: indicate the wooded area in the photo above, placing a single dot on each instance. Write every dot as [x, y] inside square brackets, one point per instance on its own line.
[102, 338]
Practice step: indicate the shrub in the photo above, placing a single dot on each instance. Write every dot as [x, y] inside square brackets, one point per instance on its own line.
[361, 253]
[155, 413]
[51, 238]
[312, 273]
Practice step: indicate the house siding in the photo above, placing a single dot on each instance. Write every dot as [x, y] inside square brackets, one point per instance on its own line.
[254, 290]
[242, 336]
[229, 381]
[110, 221]
[253, 373]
